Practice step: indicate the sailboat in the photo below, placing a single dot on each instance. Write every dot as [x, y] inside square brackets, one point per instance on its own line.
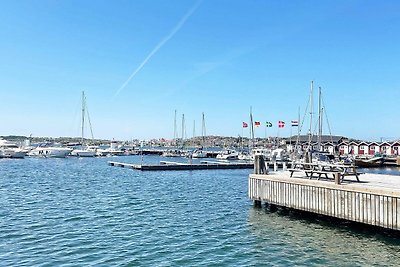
[201, 153]
[84, 151]
[316, 154]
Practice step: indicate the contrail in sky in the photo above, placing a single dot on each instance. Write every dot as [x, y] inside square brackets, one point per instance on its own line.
[161, 44]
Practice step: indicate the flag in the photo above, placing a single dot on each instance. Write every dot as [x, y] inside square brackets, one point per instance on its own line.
[245, 125]
[268, 124]
[281, 124]
[257, 123]
[295, 123]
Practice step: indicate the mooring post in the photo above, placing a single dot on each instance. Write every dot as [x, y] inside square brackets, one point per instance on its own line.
[257, 203]
[259, 165]
[275, 166]
[284, 166]
[337, 178]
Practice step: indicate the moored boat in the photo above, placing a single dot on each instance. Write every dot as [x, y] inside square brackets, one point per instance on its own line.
[48, 150]
[10, 150]
[228, 154]
[369, 163]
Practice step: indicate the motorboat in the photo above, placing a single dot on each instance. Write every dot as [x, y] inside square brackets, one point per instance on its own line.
[10, 150]
[199, 153]
[172, 153]
[228, 154]
[49, 150]
[113, 150]
[85, 151]
[244, 155]
[374, 162]
[278, 155]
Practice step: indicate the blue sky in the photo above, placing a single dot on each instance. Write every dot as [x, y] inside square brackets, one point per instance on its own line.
[219, 57]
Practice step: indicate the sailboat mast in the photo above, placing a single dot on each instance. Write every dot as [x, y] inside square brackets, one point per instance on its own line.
[319, 119]
[83, 116]
[183, 128]
[251, 128]
[311, 115]
[203, 129]
[175, 127]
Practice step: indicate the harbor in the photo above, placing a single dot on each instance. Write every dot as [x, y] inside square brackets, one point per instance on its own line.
[200, 133]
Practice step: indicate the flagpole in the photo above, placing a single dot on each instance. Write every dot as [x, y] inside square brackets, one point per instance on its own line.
[298, 130]
[242, 138]
[290, 138]
[265, 131]
[251, 128]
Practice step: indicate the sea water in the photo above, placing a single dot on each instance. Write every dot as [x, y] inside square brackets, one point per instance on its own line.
[82, 212]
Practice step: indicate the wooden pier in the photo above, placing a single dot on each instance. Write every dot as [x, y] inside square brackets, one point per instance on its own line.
[177, 166]
[375, 200]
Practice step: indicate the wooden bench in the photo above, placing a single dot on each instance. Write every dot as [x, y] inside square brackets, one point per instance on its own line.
[306, 171]
[323, 173]
[293, 171]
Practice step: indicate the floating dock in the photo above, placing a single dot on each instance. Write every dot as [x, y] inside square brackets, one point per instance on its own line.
[177, 166]
[375, 200]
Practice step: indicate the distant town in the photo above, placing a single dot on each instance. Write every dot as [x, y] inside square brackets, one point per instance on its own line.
[333, 144]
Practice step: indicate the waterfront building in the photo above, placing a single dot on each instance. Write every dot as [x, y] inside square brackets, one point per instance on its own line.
[373, 148]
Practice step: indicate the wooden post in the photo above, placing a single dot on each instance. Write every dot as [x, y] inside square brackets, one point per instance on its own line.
[398, 161]
[284, 166]
[337, 178]
[259, 165]
[275, 166]
[257, 203]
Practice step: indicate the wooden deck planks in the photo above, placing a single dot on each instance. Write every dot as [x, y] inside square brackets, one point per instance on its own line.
[374, 201]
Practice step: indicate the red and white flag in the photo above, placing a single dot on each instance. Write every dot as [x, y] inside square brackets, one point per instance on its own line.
[245, 125]
[281, 124]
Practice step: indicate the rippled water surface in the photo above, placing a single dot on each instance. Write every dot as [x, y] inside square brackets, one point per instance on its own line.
[83, 212]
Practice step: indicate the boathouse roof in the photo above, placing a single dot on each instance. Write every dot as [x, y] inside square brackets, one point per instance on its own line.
[324, 139]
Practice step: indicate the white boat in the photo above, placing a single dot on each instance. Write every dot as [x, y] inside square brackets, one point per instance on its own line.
[48, 150]
[10, 150]
[246, 156]
[113, 150]
[172, 153]
[199, 153]
[279, 155]
[228, 154]
[84, 151]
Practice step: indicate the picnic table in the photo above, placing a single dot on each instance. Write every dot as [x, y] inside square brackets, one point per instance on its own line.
[326, 169]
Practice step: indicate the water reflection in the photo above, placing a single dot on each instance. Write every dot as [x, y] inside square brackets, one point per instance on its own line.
[295, 240]
[384, 170]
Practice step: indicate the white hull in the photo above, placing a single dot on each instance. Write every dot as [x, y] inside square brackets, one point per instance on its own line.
[228, 155]
[50, 152]
[108, 152]
[83, 153]
[10, 150]
[12, 153]
[199, 154]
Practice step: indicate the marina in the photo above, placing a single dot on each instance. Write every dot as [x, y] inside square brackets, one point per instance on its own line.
[220, 133]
